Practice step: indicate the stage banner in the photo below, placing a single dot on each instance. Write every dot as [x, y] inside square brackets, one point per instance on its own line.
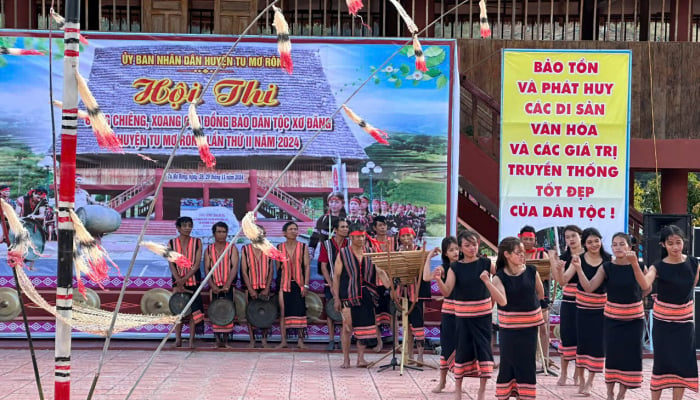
[565, 121]
[256, 118]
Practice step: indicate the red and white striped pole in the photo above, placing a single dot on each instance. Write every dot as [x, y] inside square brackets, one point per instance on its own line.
[66, 199]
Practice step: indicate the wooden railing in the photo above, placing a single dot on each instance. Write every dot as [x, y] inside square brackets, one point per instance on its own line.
[131, 192]
[480, 118]
[288, 199]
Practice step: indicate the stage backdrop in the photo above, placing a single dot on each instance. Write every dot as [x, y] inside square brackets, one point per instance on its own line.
[565, 140]
[256, 118]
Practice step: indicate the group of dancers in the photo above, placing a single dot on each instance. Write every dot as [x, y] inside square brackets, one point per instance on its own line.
[602, 315]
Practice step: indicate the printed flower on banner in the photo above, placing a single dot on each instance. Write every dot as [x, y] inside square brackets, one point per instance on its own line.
[435, 56]
[12, 42]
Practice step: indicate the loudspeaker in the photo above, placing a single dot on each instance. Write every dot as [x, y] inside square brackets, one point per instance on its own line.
[653, 223]
[696, 242]
[697, 316]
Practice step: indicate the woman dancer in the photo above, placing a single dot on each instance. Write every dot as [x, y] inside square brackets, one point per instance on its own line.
[590, 354]
[624, 316]
[568, 280]
[673, 333]
[448, 325]
[473, 289]
[519, 317]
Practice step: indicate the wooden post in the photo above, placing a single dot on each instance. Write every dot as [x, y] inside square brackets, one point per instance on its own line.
[66, 198]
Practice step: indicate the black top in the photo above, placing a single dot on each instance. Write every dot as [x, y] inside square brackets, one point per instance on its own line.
[468, 284]
[675, 282]
[621, 284]
[520, 290]
[590, 271]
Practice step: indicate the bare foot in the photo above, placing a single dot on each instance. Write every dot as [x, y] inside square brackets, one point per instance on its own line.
[228, 346]
[251, 345]
[178, 343]
[362, 364]
[191, 345]
[586, 391]
[440, 386]
[562, 380]
[265, 345]
[481, 395]
[346, 364]
[301, 346]
[282, 345]
[379, 346]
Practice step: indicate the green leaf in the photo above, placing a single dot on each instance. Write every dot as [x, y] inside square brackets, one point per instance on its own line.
[405, 69]
[372, 68]
[28, 43]
[441, 82]
[433, 51]
[426, 77]
[433, 72]
[376, 81]
[2, 62]
[416, 82]
[435, 61]
[405, 49]
[397, 84]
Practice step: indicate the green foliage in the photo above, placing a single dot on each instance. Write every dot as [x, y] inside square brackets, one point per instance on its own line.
[646, 194]
[18, 168]
[435, 56]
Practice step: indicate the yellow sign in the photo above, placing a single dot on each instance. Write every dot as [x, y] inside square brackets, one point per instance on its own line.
[564, 139]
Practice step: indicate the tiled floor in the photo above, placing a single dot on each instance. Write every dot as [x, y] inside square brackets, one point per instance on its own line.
[250, 375]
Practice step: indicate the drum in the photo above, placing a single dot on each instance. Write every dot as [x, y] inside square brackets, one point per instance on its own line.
[177, 303]
[262, 313]
[37, 237]
[314, 306]
[221, 312]
[241, 302]
[330, 311]
[99, 220]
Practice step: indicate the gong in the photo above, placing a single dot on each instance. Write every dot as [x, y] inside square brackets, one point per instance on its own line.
[177, 303]
[156, 301]
[240, 300]
[262, 313]
[91, 298]
[314, 306]
[330, 311]
[221, 312]
[9, 304]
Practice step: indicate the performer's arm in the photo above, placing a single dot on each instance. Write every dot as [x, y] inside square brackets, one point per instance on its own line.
[307, 273]
[208, 263]
[588, 285]
[338, 269]
[268, 279]
[645, 280]
[567, 275]
[234, 268]
[498, 292]
[448, 285]
[427, 275]
[539, 288]
[384, 277]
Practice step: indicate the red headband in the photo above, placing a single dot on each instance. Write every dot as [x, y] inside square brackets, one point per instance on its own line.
[527, 234]
[357, 233]
[335, 197]
[407, 231]
[355, 200]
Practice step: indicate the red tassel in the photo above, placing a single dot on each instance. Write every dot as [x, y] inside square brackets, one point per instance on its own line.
[273, 253]
[379, 135]
[284, 45]
[199, 137]
[100, 127]
[483, 20]
[19, 52]
[354, 6]
[420, 57]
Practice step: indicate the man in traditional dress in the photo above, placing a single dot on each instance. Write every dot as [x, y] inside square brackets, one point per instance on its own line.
[326, 260]
[336, 210]
[33, 204]
[417, 293]
[221, 280]
[354, 286]
[256, 270]
[187, 279]
[382, 243]
[294, 275]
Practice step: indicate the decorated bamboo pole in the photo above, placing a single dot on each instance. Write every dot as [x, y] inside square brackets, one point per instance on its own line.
[66, 198]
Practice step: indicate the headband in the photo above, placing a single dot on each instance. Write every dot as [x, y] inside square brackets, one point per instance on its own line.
[357, 233]
[334, 197]
[355, 200]
[527, 234]
[407, 231]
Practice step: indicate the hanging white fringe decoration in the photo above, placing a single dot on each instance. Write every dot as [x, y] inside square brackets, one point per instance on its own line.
[258, 239]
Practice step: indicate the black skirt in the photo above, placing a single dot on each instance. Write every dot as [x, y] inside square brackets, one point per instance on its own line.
[623, 351]
[363, 323]
[675, 364]
[517, 373]
[590, 350]
[294, 308]
[473, 355]
[568, 330]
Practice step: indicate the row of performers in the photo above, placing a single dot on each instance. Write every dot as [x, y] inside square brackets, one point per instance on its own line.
[292, 278]
[395, 216]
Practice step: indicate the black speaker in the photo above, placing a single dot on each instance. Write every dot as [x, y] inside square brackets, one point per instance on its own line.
[653, 223]
[696, 242]
[697, 316]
